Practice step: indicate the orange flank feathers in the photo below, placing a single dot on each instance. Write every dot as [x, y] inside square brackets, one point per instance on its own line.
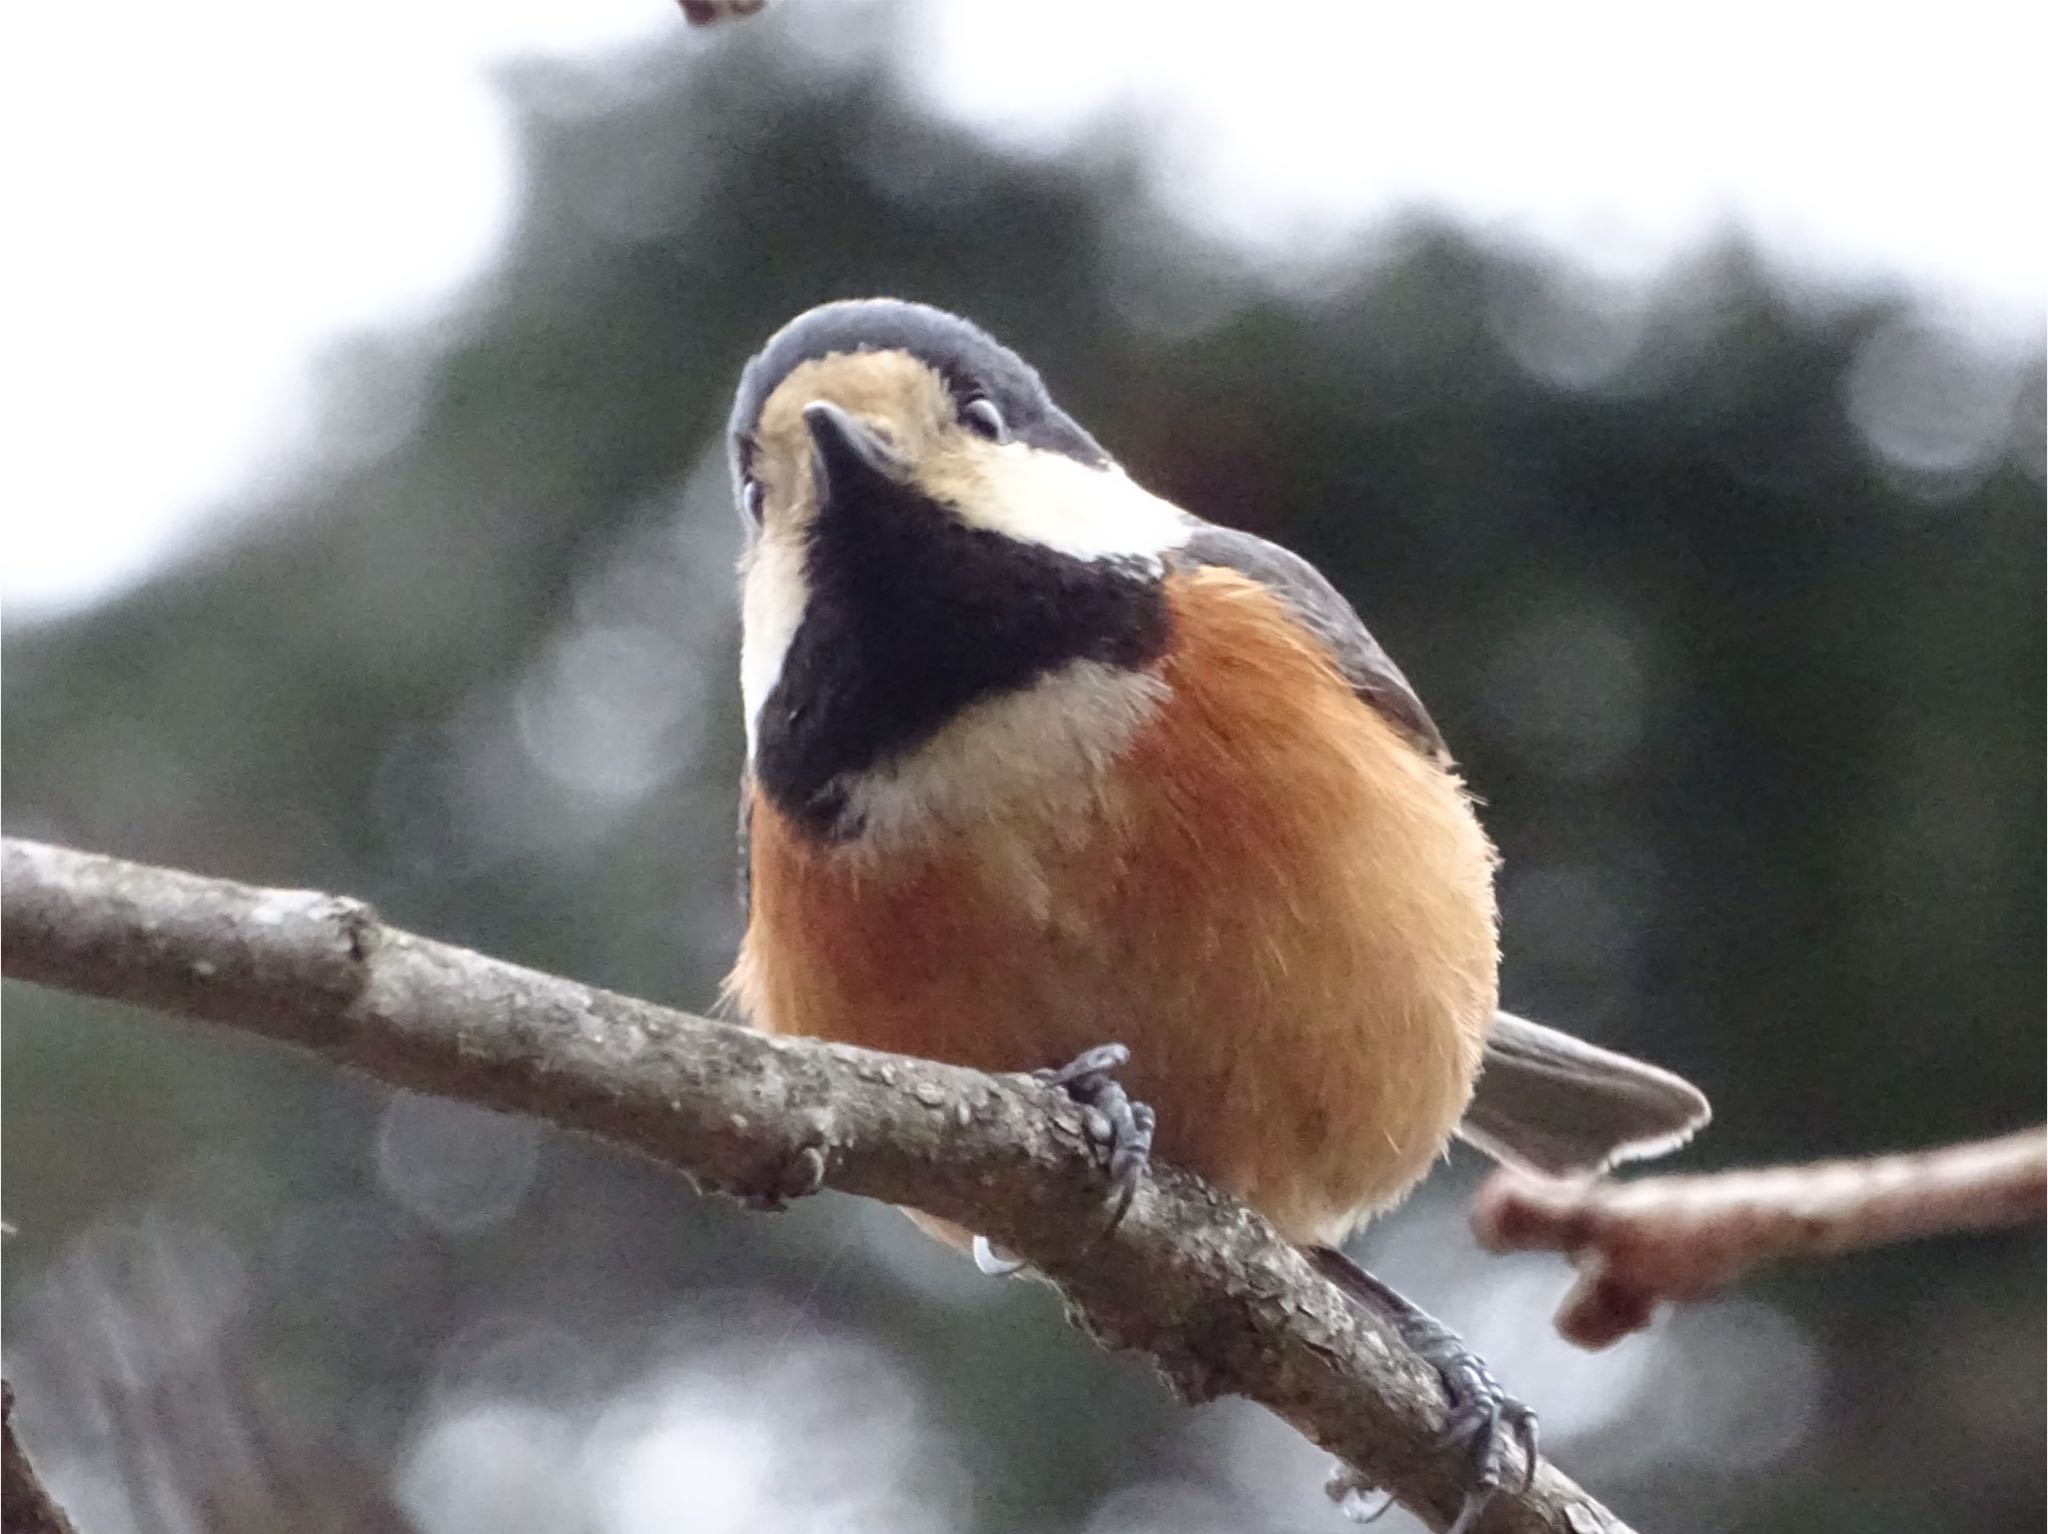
[1281, 906]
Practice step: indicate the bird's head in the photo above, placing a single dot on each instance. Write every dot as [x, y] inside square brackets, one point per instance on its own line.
[927, 529]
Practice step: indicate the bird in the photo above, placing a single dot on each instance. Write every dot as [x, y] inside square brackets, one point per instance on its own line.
[1046, 773]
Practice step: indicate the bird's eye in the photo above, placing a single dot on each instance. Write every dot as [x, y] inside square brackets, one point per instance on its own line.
[752, 497]
[981, 416]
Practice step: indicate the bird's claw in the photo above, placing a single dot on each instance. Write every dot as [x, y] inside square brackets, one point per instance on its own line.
[1483, 1418]
[1122, 1128]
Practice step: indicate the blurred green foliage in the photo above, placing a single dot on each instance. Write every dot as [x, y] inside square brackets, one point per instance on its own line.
[1732, 611]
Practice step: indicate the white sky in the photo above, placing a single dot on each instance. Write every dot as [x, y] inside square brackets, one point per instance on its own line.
[281, 174]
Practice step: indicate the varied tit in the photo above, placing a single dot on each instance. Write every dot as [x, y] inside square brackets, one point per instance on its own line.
[1038, 760]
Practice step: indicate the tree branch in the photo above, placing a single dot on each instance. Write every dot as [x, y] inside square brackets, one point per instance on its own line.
[1193, 1279]
[1639, 1244]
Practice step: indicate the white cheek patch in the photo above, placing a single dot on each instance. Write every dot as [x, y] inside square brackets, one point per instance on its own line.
[771, 609]
[1086, 513]
[1050, 745]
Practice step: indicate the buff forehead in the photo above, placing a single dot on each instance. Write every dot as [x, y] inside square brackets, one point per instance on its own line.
[890, 389]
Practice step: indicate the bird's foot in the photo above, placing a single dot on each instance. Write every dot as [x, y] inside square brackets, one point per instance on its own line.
[1483, 1419]
[1121, 1128]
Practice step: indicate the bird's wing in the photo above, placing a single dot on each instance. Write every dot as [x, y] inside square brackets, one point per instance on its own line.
[1545, 1100]
[1552, 1103]
[1322, 610]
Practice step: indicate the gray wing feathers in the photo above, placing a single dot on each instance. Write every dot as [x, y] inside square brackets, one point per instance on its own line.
[1552, 1103]
[1324, 613]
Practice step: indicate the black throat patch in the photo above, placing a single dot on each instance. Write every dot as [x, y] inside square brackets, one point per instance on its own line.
[913, 616]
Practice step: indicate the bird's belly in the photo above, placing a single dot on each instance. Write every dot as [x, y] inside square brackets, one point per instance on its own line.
[1283, 910]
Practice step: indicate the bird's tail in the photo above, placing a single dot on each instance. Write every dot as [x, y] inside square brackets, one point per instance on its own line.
[1551, 1103]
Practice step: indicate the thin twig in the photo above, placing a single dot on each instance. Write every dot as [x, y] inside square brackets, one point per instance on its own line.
[1659, 1239]
[1192, 1279]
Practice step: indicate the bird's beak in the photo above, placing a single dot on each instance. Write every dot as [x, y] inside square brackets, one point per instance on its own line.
[847, 449]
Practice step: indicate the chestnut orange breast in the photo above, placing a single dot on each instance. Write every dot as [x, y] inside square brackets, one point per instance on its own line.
[1280, 905]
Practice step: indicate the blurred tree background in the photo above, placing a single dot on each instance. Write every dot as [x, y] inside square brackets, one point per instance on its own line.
[1728, 594]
